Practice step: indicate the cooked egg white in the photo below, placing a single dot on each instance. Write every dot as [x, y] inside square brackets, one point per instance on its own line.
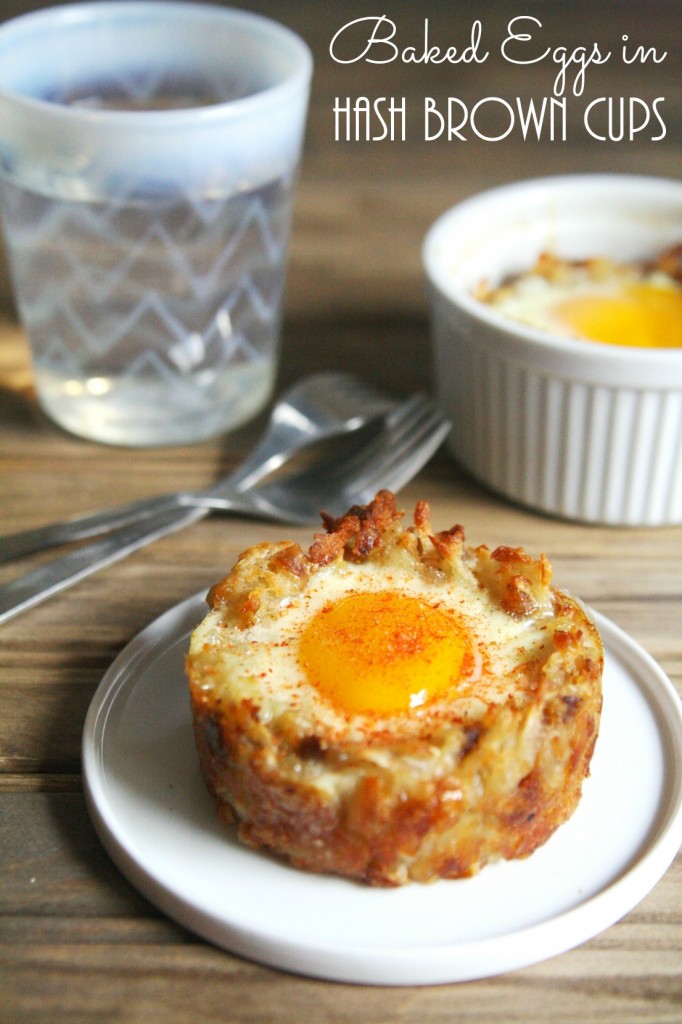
[370, 642]
[596, 301]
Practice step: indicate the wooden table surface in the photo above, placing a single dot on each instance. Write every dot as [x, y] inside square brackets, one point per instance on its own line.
[78, 943]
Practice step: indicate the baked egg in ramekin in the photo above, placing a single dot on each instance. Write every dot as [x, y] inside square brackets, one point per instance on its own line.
[588, 428]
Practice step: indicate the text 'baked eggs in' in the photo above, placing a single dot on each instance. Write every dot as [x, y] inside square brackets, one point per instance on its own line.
[392, 705]
[631, 304]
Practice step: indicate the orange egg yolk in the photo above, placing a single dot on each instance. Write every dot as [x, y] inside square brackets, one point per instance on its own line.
[642, 315]
[383, 652]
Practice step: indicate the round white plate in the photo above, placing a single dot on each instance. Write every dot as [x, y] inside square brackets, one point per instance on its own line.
[154, 816]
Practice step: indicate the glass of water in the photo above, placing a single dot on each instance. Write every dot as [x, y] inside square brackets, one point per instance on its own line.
[148, 154]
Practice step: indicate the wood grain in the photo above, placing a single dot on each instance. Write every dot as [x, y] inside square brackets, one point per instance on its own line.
[77, 943]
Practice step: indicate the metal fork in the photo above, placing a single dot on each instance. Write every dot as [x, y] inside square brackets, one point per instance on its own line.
[386, 457]
[320, 407]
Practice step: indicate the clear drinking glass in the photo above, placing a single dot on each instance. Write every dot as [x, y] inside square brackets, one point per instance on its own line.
[148, 154]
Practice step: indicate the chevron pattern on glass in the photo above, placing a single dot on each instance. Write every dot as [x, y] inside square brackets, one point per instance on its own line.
[151, 305]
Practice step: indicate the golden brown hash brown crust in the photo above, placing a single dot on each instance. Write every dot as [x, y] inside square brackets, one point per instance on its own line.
[557, 269]
[440, 800]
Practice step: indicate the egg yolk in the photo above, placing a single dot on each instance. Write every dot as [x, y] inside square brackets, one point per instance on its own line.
[642, 315]
[383, 652]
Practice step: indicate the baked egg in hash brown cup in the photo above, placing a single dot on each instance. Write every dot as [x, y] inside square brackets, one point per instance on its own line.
[392, 705]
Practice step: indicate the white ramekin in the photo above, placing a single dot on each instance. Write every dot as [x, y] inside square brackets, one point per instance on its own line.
[579, 429]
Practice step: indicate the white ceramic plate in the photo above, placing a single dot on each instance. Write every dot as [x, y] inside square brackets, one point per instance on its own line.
[150, 807]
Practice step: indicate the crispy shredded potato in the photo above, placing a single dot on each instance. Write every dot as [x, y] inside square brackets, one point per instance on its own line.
[487, 770]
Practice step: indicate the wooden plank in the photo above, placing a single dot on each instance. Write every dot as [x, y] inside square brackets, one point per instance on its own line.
[174, 983]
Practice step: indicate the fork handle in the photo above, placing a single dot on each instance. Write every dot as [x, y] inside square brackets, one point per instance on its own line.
[29, 590]
[90, 524]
